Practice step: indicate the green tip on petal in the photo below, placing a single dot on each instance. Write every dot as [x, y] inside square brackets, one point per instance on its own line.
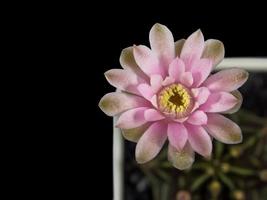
[182, 159]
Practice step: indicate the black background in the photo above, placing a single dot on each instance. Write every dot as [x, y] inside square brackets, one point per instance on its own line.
[243, 32]
[72, 46]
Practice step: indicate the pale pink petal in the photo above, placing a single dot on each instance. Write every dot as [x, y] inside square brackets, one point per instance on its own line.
[176, 69]
[151, 142]
[147, 60]
[219, 102]
[198, 118]
[223, 129]
[156, 82]
[193, 46]
[154, 101]
[200, 140]
[180, 120]
[226, 80]
[201, 71]
[201, 94]
[178, 47]
[134, 134]
[214, 50]
[162, 43]
[196, 106]
[124, 80]
[127, 61]
[239, 98]
[177, 135]
[187, 79]
[190, 62]
[153, 115]
[181, 159]
[146, 91]
[116, 102]
[167, 81]
[132, 118]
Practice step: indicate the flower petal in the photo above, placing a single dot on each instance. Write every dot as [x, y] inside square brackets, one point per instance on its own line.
[154, 101]
[196, 106]
[178, 47]
[156, 82]
[124, 80]
[146, 91]
[162, 43]
[193, 46]
[223, 129]
[226, 80]
[134, 134]
[219, 102]
[181, 159]
[187, 79]
[147, 60]
[153, 115]
[239, 98]
[151, 142]
[177, 135]
[198, 118]
[190, 62]
[214, 50]
[168, 80]
[132, 118]
[201, 71]
[200, 140]
[116, 102]
[201, 94]
[176, 69]
[127, 61]
[180, 120]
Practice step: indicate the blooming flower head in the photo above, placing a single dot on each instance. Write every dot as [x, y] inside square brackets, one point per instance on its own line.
[167, 93]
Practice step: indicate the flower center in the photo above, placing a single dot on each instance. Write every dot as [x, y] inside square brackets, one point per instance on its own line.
[175, 100]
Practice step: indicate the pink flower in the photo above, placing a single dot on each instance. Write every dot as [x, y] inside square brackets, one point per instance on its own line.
[167, 93]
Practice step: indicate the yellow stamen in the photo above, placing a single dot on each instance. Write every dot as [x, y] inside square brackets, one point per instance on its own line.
[175, 99]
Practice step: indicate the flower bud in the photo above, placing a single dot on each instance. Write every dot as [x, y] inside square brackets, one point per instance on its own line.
[263, 175]
[225, 167]
[183, 195]
[235, 152]
[215, 188]
[239, 195]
